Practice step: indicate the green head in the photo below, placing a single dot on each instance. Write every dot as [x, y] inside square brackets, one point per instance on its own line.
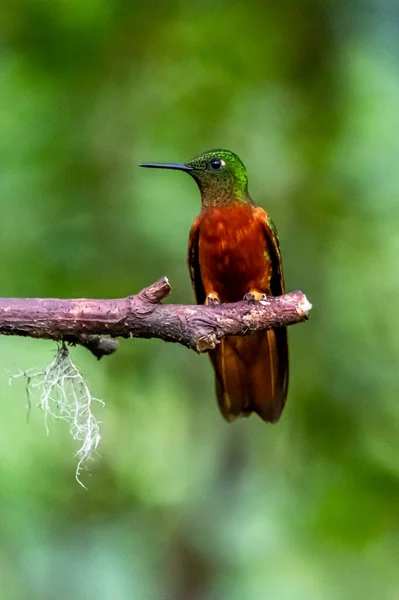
[219, 174]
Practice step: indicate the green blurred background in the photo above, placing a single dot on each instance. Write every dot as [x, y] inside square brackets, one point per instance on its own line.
[181, 505]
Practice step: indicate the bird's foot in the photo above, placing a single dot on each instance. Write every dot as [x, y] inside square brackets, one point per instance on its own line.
[212, 299]
[253, 296]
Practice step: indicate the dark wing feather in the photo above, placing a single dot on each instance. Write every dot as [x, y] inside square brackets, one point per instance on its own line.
[193, 262]
[277, 281]
[277, 338]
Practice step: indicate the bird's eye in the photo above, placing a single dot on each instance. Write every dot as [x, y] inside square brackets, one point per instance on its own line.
[216, 164]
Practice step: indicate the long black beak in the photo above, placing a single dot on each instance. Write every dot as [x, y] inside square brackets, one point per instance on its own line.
[175, 166]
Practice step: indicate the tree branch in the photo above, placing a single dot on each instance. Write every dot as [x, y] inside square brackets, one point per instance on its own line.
[85, 321]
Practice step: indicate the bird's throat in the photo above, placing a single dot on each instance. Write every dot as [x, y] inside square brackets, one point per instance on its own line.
[223, 197]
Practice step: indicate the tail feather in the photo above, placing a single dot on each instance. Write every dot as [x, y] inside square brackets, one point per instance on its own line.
[252, 374]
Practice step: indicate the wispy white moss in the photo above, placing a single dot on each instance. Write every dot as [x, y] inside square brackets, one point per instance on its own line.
[64, 394]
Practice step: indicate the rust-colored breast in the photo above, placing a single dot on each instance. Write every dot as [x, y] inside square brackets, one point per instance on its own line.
[233, 254]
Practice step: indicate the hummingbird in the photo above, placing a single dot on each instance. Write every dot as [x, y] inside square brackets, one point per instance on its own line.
[234, 254]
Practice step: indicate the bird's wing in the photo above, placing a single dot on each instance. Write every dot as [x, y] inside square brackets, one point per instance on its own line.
[193, 262]
[277, 285]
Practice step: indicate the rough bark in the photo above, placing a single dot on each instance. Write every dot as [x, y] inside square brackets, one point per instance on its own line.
[87, 321]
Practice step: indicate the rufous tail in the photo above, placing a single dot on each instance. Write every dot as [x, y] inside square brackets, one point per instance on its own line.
[252, 374]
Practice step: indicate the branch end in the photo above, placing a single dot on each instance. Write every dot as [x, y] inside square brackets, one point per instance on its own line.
[205, 343]
[304, 306]
[157, 291]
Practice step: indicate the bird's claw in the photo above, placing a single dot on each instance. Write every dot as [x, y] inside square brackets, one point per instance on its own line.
[212, 299]
[254, 297]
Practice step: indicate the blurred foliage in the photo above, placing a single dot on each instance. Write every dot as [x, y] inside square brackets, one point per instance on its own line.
[181, 505]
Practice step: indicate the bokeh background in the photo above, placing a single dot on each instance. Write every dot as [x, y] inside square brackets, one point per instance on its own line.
[181, 505]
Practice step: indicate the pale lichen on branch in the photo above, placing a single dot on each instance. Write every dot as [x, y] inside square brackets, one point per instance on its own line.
[63, 394]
